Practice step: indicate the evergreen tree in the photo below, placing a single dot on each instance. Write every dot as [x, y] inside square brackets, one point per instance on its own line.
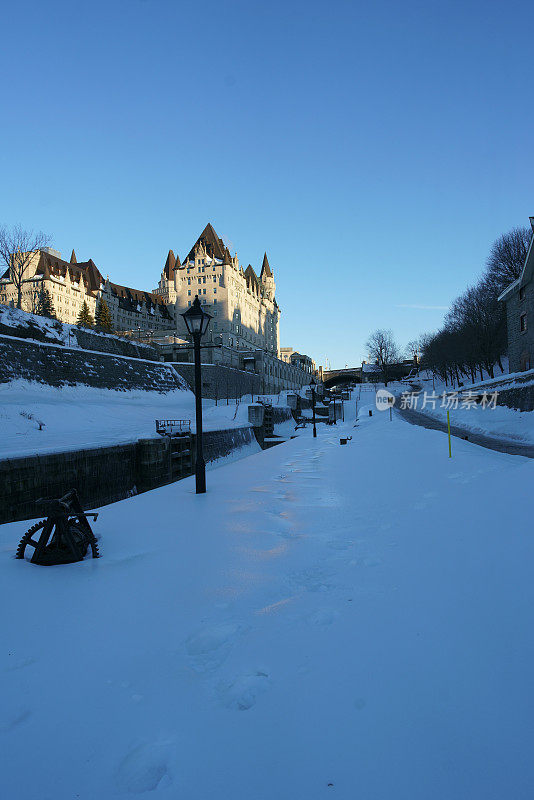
[85, 319]
[44, 306]
[103, 317]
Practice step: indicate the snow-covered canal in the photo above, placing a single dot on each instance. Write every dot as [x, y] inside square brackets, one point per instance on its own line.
[327, 622]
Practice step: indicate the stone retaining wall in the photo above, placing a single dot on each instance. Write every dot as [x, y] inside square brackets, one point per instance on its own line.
[521, 398]
[101, 475]
[59, 366]
[56, 333]
[221, 382]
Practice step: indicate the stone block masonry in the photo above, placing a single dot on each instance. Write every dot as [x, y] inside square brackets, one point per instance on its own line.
[221, 382]
[55, 365]
[22, 325]
[102, 475]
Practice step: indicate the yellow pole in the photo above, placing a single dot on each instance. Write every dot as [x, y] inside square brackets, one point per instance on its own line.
[449, 432]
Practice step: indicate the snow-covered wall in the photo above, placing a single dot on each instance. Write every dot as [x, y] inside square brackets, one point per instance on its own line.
[23, 325]
[56, 365]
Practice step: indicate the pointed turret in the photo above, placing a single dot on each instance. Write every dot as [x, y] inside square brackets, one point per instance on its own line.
[227, 259]
[265, 268]
[73, 258]
[170, 265]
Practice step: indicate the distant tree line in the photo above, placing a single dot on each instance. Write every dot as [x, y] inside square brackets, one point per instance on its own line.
[473, 338]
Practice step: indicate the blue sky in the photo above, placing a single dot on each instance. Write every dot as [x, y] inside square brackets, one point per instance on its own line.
[374, 150]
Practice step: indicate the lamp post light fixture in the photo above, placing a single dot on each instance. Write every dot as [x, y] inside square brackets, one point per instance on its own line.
[197, 322]
[313, 387]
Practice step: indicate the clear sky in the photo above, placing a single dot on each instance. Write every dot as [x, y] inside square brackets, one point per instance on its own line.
[375, 150]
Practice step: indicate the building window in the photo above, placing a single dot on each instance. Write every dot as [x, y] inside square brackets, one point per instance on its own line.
[189, 293]
[214, 291]
[522, 293]
[523, 323]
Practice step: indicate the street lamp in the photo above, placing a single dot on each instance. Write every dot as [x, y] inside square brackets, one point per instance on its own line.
[197, 322]
[313, 386]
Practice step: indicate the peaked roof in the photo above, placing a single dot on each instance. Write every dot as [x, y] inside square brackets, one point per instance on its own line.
[170, 264]
[214, 244]
[526, 273]
[73, 258]
[265, 268]
[252, 278]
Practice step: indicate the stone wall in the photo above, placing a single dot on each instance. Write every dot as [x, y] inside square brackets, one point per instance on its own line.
[520, 343]
[222, 383]
[116, 345]
[102, 475]
[521, 398]
[41, 329]
[24, 480]
[58, 366]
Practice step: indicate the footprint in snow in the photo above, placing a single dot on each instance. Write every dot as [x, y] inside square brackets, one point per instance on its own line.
[241, 692]
[324, 617]
[209, 647]
[314, 579]
[145, 768]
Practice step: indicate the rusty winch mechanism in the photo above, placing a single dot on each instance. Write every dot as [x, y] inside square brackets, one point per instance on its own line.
[65, 534]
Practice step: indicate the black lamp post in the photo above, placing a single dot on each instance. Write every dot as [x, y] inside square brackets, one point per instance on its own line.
[197, 322]
[313, 385]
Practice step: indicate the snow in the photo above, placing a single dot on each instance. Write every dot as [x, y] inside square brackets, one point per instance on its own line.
[348, 622]
[60, 333]
[76, 417]
[501, 422]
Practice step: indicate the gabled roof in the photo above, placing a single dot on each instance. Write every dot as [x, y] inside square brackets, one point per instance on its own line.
[526, 273]
[51, 266]
[213, 244]
[129, 298]
[265, 268]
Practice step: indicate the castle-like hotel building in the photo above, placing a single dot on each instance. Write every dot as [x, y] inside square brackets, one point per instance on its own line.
[243, 306]
[245, 325]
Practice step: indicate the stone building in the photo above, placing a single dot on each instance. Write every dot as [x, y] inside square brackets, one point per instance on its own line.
[243, 304]
[70, 283]
[519, 299]
[300, 360]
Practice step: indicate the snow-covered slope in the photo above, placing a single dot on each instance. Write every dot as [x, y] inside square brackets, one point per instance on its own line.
[40, 419]
[14, 322]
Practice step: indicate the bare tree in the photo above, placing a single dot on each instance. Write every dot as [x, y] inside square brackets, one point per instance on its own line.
[383, 350]
[507, 256]
[17, 249]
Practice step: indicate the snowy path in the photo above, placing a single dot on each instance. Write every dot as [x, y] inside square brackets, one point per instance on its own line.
[348, 622]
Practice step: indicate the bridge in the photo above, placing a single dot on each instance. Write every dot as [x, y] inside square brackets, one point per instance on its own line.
[335, 377]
